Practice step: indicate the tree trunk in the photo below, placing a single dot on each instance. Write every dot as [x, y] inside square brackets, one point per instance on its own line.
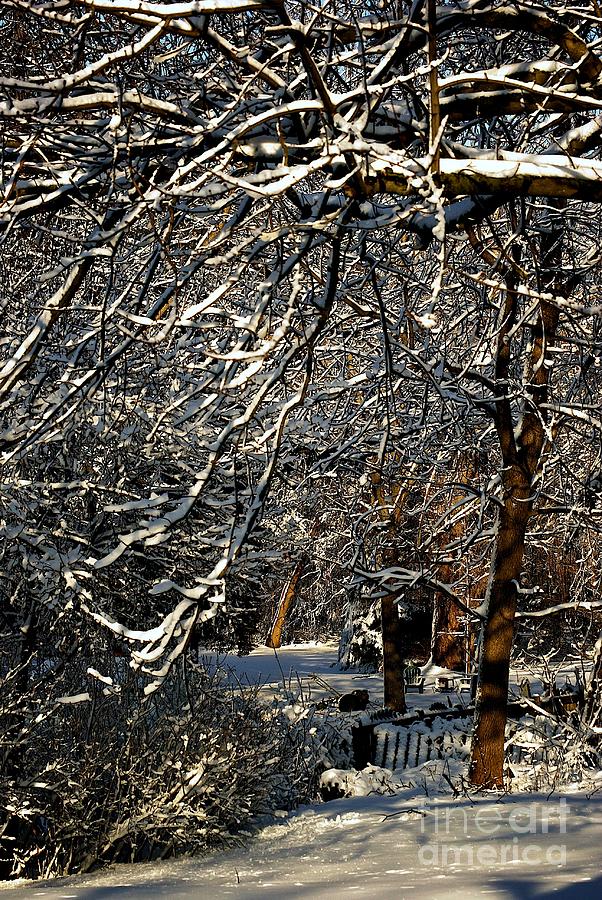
[449, 638]
[487, 753]
[285, 604]
[450, 643]
[389, 508]
[393, 664]
[522, 451]
[592, 710]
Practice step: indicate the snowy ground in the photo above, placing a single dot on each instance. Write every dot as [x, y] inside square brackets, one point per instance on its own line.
[520, 847]
[313, 667]
[419, 843]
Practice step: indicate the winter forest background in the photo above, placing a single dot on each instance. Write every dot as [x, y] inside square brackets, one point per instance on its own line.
[301, 340]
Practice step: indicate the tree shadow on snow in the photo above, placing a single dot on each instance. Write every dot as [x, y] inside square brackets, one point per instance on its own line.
[531, 890]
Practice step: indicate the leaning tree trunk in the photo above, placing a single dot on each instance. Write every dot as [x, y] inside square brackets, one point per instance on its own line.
[286, 602]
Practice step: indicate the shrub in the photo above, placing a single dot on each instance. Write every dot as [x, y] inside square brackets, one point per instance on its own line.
[109, 776]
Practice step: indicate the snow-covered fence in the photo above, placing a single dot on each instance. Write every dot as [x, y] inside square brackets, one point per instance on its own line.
[414, 740]
[405, 746]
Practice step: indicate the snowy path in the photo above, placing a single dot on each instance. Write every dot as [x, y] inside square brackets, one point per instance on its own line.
[298, 664]
[417, 844]
[348, 847]
[305, 666]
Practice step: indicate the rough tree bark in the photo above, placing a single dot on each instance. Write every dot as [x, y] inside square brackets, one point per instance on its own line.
[522, 451]
[487, 759]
